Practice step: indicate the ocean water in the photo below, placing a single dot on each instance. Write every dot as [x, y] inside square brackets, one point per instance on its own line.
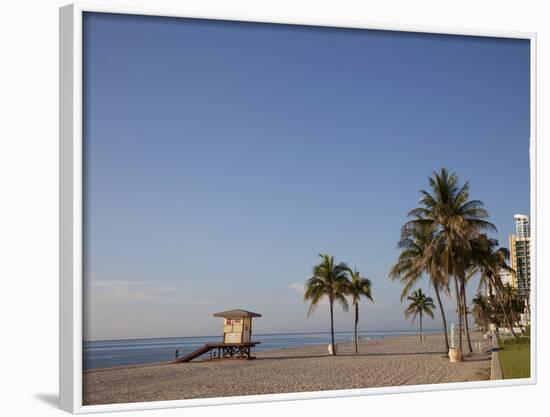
[109, 353]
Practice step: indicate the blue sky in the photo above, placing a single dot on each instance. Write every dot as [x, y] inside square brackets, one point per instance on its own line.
[221, 158]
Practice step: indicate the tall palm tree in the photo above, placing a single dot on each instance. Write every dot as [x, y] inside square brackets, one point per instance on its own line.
[328, 281]
[456, 219]
[416, 258]
[358, 287]
[419, 305]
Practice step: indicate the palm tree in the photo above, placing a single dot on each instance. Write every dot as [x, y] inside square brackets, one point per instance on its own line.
[417, 257]
[490, 259]
[469, 273]
[456, 219]
[515, 305]
[357, 287]
[328, 281]
[419, 305]
[481, 311]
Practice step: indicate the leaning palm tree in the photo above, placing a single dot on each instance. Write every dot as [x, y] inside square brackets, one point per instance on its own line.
[469, 273]
[419, 305]
[358, 287]
[456, 219]
[515, 306]
[481, 311]
[328, 281]
[416, 258]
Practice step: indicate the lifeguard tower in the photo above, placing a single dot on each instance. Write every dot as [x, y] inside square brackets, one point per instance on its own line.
[237, 325]
[237, 338]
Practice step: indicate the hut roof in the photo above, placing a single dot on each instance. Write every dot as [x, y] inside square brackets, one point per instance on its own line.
[237, 313]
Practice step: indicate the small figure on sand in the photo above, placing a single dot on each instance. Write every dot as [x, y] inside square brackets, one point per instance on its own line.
[177, 354]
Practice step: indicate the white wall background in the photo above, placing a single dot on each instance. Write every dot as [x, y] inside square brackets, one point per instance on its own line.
[29, 193]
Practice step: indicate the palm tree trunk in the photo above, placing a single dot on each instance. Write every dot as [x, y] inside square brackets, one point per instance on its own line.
[463, 285]
[503, 308]
[421, 334]
[442, 316]
[459, 309]
[491, 299]
[332, 328]
[515, 318]
[506, 317]
[504, 312]
[356, 321]
[458, 303]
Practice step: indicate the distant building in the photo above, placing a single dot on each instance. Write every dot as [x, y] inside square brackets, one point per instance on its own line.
[508, 278]
[523, 229]
[520, 255]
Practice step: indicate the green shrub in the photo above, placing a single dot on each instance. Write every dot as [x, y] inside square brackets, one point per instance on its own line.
[518, 340]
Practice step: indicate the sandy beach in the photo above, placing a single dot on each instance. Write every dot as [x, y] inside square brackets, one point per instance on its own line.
[391, 361]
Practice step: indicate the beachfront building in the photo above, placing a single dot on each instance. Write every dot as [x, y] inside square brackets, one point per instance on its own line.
[508, 278]
[523, 230]
[520, 256]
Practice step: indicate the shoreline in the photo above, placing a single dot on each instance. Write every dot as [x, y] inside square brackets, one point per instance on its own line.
[387, 361]
[256, 352]
[348, 332]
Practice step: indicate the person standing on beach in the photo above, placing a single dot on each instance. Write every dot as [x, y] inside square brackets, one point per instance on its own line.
[177, 354]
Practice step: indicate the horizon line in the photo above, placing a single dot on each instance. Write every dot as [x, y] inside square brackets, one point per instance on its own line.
[260, 334]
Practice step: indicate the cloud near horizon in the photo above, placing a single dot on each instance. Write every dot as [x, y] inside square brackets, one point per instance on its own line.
[297, 286]
[132, 309]
[135, 290]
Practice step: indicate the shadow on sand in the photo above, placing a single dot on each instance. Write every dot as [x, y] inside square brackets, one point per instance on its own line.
[345, 355]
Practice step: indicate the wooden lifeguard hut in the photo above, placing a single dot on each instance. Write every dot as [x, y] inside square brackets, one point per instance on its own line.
[237, 337]
[237, 325]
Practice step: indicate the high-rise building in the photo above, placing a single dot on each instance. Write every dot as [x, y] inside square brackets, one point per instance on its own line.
[520, 255]
[522, 226]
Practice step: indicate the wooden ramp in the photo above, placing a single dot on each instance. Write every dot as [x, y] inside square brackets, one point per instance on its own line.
[224, 350]
[194, 354]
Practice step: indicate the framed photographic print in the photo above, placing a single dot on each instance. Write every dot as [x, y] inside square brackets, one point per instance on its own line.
[255, 209]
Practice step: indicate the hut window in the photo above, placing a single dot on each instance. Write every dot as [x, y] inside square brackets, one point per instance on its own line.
[237, 321]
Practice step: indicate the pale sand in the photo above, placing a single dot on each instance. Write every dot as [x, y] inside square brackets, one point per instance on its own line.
[391, 361]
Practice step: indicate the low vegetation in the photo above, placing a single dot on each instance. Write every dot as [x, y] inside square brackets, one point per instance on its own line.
[515, 357]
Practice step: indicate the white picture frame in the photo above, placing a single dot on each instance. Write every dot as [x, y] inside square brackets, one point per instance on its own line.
[70, 203]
